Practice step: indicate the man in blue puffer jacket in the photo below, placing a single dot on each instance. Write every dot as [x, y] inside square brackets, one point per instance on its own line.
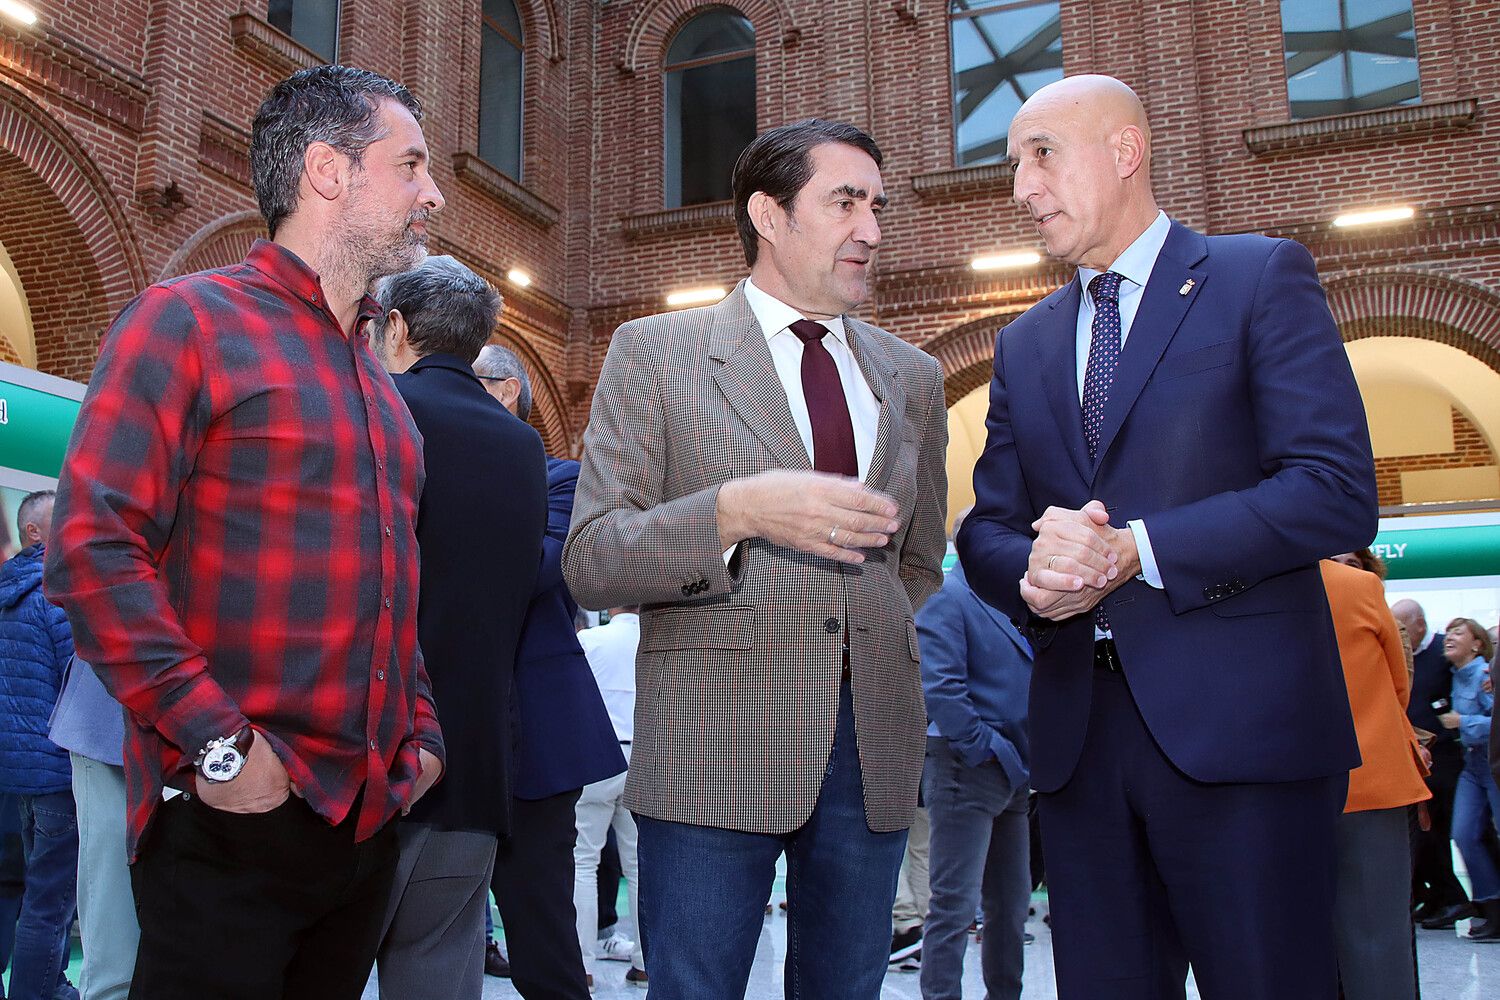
[35, 646]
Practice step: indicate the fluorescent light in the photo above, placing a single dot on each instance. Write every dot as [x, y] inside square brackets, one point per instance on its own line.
[17, 11]
[517, 277]
[695, 296]
[1005, 261]
[1374, 216]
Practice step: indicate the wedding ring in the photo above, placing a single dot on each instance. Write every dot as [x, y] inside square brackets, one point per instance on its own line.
[831, 533]
[1049, 561]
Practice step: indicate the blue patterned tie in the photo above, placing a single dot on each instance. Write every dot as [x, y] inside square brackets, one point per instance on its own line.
[1104, 354]
[1099, 375]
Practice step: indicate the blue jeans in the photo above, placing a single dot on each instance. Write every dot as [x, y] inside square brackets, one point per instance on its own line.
[980, 853]
[49, 830]
[12, 874]
[1476, 808]
[704, 890]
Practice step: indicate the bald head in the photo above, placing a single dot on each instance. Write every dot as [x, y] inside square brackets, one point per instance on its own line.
[1081, 151]
[1102, 102]
[1412, 618]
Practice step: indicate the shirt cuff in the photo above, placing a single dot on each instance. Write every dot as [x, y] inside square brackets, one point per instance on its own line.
[1149, 570]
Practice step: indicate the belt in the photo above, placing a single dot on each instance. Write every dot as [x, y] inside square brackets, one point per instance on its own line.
[1106, 657]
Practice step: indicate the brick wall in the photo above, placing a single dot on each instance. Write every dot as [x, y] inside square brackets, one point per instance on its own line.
[152, 101]
[1470, 450]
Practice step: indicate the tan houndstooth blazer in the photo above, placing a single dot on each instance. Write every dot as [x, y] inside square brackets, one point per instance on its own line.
[737, 677]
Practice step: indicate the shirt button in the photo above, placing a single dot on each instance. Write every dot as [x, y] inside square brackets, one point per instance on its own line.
[372, 744]
[387, 531]
[831, 626]
[380, 675]
[387, 602]
[380, 465]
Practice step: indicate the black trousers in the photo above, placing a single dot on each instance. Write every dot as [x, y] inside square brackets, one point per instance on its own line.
[533, 886]
[1433, 881]
[254, 907]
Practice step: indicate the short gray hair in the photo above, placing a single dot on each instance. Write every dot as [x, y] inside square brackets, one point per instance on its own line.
[496, 362]
[27, 512]
[447, 307]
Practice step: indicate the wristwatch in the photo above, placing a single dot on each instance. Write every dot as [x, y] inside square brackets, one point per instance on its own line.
[223, 759]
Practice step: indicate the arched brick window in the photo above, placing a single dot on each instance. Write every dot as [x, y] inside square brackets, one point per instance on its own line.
[502, 59]
[709, 105]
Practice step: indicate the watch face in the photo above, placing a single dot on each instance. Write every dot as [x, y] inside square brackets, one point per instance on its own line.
[222, 763]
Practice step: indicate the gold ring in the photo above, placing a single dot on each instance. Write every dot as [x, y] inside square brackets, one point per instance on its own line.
[1049, 561]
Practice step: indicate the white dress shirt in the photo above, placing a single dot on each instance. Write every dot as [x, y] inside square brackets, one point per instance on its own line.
[611, 649]
[1134, 267]
[776, 318]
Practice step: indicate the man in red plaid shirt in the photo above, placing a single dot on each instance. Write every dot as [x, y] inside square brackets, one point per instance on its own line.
[235, 549]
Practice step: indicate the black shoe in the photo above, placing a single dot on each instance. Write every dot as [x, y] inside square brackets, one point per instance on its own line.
[906, 943]
[495, 963]
[911, 963]
[1489, 928]
[637, 977]
[1027, 937]
[1444, 919]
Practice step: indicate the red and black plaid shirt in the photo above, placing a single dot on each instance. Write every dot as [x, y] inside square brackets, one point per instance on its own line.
[235, 540]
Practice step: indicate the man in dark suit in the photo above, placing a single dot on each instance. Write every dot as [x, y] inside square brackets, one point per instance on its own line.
[976, 670]
[479, 532]
[565, 741]
[1175, 438]
[1441, 896]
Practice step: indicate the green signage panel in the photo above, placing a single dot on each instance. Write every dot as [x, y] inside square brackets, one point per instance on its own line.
[1430, 553]
[34, 427]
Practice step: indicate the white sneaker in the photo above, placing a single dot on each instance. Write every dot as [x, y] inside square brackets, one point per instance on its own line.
[615, 948]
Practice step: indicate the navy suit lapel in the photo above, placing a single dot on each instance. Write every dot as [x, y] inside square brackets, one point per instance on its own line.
[1057, 347]
[1163, 306]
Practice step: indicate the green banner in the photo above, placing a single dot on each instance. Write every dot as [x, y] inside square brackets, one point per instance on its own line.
[34, 428]
[1428, 553]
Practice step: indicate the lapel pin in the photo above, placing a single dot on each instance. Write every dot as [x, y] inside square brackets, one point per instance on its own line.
[1187, 286]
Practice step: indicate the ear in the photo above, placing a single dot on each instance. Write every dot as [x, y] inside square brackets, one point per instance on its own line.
[1130, 151]
[510, 393]
[325, 170]
[395, 331]
[765, 215]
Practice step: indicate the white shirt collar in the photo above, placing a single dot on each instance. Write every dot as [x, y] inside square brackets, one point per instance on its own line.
[776, 317]
[1135, 264]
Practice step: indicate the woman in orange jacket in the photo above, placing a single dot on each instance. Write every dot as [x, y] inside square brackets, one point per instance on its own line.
[1372, 914]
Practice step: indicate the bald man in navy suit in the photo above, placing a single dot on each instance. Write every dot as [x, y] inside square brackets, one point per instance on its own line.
[1175, 438]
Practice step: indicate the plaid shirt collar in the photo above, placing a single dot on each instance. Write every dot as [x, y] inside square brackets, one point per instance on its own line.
[292, 273]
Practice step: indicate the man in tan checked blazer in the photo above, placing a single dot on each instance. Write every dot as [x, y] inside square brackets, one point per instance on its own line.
[766, 476]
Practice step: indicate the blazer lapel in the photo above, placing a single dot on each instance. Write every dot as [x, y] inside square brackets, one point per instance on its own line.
[1163, 306]
[747, 378]
[880, 374]
[1057, 345]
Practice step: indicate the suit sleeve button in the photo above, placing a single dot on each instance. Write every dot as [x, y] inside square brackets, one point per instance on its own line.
[831, 626]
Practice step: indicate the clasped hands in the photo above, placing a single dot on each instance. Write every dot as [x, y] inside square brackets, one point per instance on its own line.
[815, 512]
[1076, 560]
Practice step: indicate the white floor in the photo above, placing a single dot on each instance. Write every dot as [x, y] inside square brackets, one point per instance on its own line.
[1451, 969]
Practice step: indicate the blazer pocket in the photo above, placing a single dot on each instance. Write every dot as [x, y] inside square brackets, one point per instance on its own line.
[1201, 359]
[699, 628]
[911, 640]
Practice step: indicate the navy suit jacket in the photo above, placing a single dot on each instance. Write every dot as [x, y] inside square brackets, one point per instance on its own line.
[976, 671]
[1235, 429]
[1432, 680]
[566, 740]
[479, 531]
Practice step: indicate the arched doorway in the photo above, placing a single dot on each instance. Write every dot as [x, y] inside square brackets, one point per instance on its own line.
[17, 339]
[69, 248]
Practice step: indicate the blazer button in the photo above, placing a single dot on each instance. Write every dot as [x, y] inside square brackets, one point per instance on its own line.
[687, 591]
[831, 626]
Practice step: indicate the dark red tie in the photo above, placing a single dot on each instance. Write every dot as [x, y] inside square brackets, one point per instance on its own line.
[827, 409]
